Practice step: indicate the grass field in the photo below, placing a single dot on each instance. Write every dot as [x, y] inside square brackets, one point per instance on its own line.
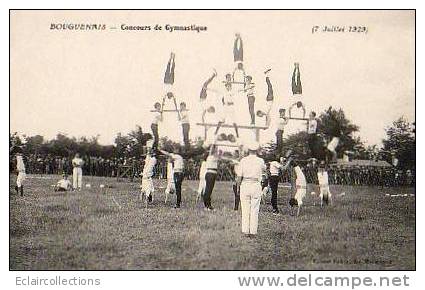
[93, 230]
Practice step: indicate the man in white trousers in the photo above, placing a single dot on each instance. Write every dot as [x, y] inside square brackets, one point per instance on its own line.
[202, 182]
[251, 169]
[301, 188]
[77, 172]
[178, 168]
[20, 168]
[147, 188]
[332, 145]
[323, 178]
[171, 187]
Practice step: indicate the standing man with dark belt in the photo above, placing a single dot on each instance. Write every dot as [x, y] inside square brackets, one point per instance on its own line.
[275, 169]
[210, 175]
[236, 173]
[178, 162]
[251, 169]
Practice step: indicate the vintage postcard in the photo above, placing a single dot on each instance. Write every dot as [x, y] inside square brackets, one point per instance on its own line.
[212, 140]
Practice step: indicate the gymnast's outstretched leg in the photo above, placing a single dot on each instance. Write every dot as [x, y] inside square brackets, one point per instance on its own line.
[169, 72]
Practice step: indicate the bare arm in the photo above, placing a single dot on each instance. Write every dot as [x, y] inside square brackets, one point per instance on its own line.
[239, 180]
[203, 116]
[290, 109]
[213, 149]
[165, 152]
[264, 170]
[234, 161]
[303, 107]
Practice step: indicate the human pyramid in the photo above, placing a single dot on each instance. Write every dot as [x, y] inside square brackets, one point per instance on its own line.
[252, 178]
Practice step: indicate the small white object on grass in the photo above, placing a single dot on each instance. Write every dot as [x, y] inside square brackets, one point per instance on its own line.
[119, 206]
[312, 193]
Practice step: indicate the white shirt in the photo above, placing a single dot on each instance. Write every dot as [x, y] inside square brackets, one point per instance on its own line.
[178, 162]
[211, 162]
[323, 179]
[333, 144]
[239, 76]
[251, 168]
[228, 98]
[184, 117]
[156, 117]
[149, 143]
[148, 169]
[20, 166]
[312, 126]
[281, 123]
[64, 183]
[300, 177]
[395, 162]
[275, 167]
[77, 162]
[203, 170]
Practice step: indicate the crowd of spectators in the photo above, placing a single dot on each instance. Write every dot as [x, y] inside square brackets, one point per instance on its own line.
[131, 167]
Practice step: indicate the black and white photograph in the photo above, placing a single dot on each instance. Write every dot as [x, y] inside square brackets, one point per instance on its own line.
[212, 140]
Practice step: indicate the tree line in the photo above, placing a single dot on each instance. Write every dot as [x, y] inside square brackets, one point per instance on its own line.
[399, 143]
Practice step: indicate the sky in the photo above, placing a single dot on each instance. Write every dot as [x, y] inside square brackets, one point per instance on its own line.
[88, 83]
